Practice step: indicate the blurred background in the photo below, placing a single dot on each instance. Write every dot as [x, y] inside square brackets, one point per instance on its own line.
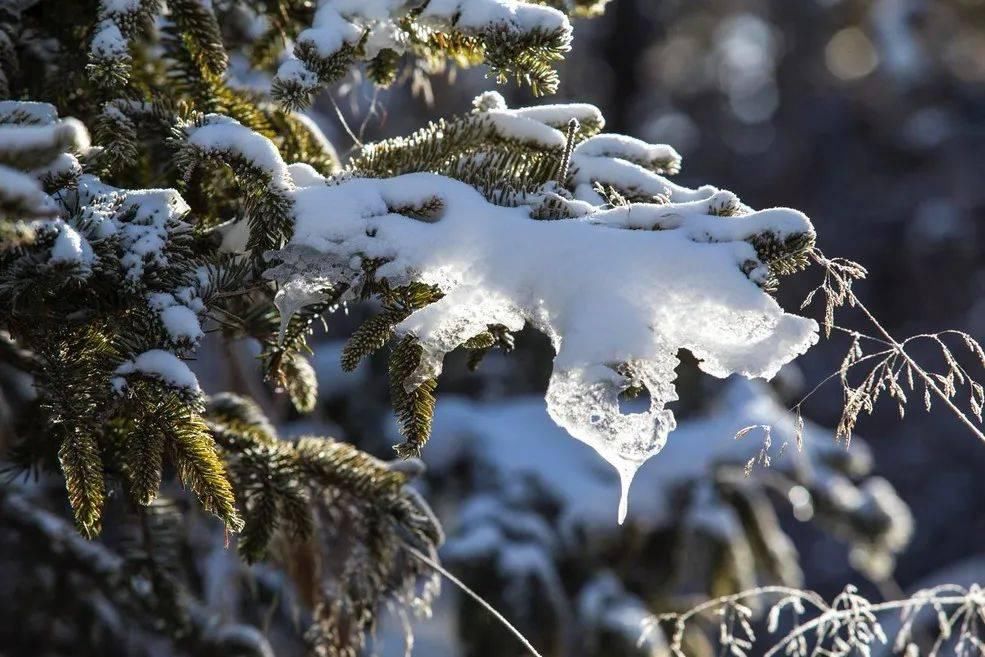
[868, 115]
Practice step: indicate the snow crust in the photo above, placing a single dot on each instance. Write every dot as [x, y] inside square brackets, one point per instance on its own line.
[618, 291]
[604, 295]
[161, 365]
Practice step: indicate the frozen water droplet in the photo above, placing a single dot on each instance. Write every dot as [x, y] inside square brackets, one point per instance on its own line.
[585, 402]
[295, 295]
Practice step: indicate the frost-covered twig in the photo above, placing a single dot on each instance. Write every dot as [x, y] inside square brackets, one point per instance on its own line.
[850, 624]
[895, 367]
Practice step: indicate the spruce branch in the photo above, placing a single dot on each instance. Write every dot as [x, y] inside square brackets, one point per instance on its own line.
[53, 541]
[412, 399]
[196, 460]
[83, 470]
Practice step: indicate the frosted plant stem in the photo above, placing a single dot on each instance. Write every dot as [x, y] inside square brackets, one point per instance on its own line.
[837, 614]
[475, 596]
[923, 375]
[823, 261]
[827, 614]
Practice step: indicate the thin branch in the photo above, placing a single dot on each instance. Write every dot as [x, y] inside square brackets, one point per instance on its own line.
[475, 596]
[899, 349]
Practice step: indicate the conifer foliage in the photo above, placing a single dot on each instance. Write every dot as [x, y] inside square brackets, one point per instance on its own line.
[147, 197]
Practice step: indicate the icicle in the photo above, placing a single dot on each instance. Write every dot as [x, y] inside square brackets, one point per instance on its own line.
[626, 474]
[585, 402]
[295, 295]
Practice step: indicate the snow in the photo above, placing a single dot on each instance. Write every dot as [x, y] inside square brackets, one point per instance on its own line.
[617, 304]
[558, 116]
[604, 296]
[633, 150]
[304, 175]
[386, 35]
[70, 247]
[68, 133]
[524, 129]
[21, 190]
[161, 365]
[178, 319]
[485, 15]
[38, 113]
[594, 162]
[115, 7]
[219, 133]
[143, 221]
[64, 165]
[369, 10]
[329, 32]
[294, 70]
[108, 42]
[375, 24]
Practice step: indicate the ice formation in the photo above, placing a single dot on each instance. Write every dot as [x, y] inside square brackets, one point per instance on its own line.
[604, 296]
[509, 442]
[618, 290]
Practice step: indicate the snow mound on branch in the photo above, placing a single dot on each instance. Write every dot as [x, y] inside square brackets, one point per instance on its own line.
[161, 365]
[143, 221]
[374, 24]
[616, 303]
[70, 247]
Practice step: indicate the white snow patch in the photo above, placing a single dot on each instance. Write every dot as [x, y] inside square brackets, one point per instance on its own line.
[604, 295]
[67, 134]
[70, 247]
[21, 190]
[143, 220]
[161, 365]
[179, 320]
[108, 42]
[222, 134]
[481, 15]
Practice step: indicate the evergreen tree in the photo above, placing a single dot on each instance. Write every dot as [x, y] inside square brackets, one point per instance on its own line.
[147, 198]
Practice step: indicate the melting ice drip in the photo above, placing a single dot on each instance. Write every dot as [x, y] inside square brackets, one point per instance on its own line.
[611, 285]
[585, 402]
